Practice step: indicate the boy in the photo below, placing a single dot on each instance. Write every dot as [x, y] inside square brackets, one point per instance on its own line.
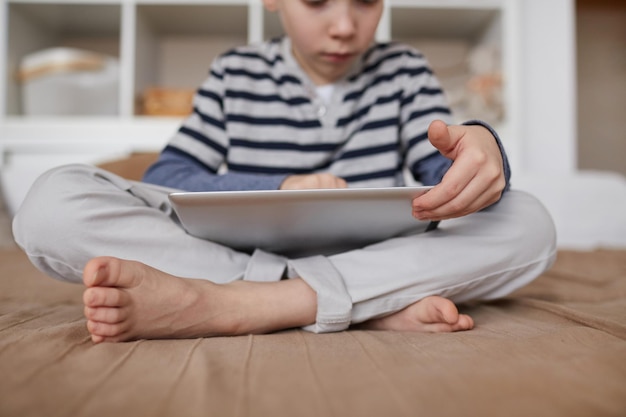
[321, 108]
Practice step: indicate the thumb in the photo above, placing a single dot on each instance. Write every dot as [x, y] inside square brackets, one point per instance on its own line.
[443, 137]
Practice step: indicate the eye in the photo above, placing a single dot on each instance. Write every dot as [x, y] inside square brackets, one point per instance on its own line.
[368, 2]
[315, 3]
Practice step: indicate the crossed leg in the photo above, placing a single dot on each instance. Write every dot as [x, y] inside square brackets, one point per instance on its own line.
[127, 300]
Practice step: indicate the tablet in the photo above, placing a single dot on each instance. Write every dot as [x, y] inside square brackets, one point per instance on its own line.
[319, 221]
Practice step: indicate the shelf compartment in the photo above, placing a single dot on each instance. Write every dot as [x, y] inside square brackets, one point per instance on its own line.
[175, 44]
[34, 26]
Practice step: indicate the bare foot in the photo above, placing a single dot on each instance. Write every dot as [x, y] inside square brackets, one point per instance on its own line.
[432, 314]
[127, 300]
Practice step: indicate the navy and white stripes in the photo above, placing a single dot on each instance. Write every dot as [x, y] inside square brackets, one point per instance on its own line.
[258, 114]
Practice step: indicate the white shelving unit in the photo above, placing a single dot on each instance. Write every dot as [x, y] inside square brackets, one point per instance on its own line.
[171, 43]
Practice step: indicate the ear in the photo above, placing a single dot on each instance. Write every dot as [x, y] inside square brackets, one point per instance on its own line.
[271, 5]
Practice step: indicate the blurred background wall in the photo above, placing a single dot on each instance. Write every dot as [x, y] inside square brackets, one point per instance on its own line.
[601, 75]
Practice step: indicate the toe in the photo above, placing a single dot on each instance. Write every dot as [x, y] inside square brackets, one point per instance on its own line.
[106, 329]
[110, 272]
[465, 322]
[96, 271]
[435, 309]
[106, 314]
[105, 297]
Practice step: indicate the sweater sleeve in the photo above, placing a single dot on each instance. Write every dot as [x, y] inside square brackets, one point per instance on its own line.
[181, 171]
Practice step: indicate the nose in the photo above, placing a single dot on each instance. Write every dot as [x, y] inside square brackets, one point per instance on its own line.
[344, 22]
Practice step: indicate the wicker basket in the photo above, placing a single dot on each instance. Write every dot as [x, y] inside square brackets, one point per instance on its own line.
[167, 102]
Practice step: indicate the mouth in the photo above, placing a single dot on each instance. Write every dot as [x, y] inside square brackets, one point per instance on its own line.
[338, 57]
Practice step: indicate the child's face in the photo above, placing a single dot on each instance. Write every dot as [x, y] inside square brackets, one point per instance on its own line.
[328, 35]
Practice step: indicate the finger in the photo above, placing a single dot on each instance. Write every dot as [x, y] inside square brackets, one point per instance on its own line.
[301, 182]
[327, 180]
[454, 181]
[464, 204]
[312, 181]
[341, 183]
[445, 138]
[477, 195]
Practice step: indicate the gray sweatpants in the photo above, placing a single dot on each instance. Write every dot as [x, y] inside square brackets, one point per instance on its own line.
[77, 212]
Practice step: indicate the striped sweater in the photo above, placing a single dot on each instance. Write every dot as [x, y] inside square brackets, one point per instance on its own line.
[257, 119]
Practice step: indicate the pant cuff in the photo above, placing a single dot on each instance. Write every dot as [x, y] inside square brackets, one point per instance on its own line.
[334, 304]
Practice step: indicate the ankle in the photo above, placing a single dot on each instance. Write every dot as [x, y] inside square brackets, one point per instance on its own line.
[263, 307]
[220, 307]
